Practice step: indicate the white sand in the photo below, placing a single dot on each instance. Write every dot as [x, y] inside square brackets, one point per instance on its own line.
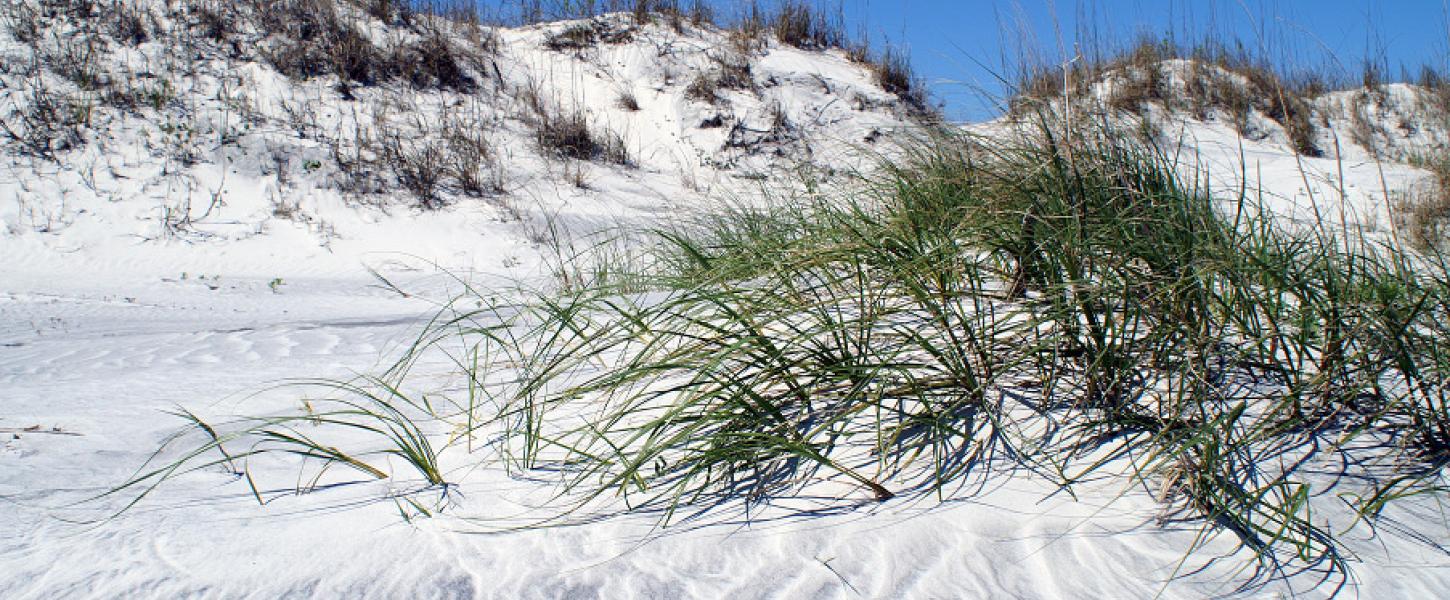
[108, 320]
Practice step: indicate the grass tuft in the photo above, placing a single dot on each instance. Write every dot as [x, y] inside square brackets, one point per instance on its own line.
[1058, 303]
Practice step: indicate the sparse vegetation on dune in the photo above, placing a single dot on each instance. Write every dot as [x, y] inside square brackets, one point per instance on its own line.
[1422, 213]
[350, 72]
[1211, 78]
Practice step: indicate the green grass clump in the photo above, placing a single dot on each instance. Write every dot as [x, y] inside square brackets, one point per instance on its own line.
[1058, 302]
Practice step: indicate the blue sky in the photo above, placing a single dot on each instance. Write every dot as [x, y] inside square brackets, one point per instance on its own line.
[961, 46]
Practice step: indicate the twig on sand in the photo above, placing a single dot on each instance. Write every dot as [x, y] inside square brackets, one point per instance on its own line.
[37, 429]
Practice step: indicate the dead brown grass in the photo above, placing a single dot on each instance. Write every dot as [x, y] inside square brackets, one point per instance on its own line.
[892, 71]
[1422, 215]
[582, 36]
[1216, 77]
[567, 134]
[729, 72]
[801, 25]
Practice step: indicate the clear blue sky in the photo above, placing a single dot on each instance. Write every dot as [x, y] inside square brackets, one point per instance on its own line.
[961, 46]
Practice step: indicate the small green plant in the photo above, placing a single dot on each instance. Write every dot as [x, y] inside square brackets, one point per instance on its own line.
[373, 409]
[158, 95]
[275, 285]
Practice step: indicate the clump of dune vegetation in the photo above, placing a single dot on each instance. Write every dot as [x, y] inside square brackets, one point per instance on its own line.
[1059, 303]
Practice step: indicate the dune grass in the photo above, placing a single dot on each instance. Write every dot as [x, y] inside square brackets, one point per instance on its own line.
[1060, 303]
